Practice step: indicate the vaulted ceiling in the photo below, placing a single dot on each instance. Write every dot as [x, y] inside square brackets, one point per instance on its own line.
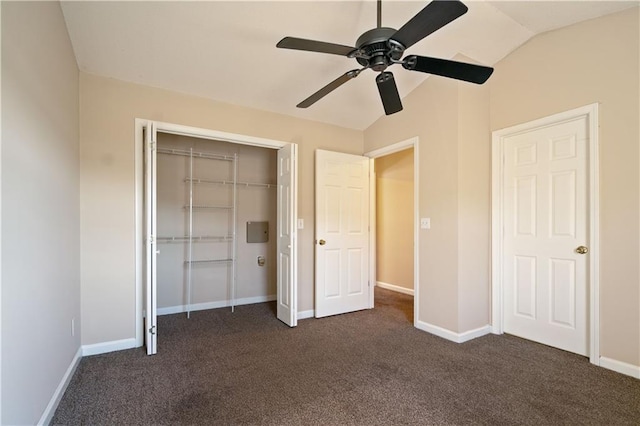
[225, 50]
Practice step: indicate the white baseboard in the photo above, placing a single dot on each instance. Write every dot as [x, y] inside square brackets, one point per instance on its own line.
[474, 334]
[105, 347]
[395, 288]
[451, 335]
[215, 305]
[620, 367]
[306, 314]
[47, 416]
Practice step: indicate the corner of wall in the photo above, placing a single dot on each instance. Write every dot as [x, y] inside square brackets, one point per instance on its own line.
[473, 192]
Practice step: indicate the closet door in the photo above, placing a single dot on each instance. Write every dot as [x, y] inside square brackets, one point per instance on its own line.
[286, 231]
[150, 237]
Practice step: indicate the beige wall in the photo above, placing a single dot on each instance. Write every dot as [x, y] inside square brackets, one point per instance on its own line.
[474, 214]
[40, 202]
[432, 113]
[594, 61]
[394, 219]
[107, 112]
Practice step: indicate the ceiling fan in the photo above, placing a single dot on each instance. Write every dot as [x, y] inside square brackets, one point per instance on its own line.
[382, 47]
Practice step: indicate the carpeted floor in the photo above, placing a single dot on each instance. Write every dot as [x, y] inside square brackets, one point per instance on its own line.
[365, 368]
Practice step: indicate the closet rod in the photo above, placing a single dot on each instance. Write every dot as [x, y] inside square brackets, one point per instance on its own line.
[227, 182]
[184, 153]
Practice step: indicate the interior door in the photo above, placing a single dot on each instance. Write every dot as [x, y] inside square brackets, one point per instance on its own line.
[546, 235]
[287, 298]
[342, 233]
[150, 237]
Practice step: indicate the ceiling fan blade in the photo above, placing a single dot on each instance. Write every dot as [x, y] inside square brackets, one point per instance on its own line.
[434, 16]
[329, 88]
[314, 46]
[389, 93]
[452, 69]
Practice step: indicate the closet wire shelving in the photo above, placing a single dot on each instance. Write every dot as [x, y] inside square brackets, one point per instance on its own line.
[190, 239]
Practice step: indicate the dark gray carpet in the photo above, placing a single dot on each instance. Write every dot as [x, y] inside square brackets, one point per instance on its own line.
[364, 368]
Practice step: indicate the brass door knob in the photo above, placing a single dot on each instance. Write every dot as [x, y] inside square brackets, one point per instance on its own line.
[322, 242]
[582, 250]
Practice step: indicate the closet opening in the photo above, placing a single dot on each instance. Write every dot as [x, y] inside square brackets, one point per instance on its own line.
[216, 224]
[395, 221]
[216, 217]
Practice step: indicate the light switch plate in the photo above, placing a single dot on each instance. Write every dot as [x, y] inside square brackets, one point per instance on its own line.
[425, 223]
[300, 223]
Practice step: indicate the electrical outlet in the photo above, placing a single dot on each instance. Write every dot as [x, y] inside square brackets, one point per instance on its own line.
[425, 223]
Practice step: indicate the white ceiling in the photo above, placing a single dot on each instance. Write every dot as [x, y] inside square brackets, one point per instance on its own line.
[225, 50]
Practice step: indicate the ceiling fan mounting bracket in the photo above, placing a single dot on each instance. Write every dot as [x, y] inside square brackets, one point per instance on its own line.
[396, 49]
[410, 62]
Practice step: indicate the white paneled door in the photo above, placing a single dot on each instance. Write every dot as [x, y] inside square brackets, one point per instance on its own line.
[342, 233]
[286, 231]
[545, 235]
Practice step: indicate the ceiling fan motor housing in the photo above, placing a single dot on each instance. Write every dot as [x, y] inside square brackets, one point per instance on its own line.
[375, 51]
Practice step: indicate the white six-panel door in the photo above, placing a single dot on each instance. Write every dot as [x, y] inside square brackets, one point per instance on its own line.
[545, 221]
[342, 233]
[286, 232]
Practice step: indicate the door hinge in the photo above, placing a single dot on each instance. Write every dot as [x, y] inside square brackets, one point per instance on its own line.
[152, 145]
[151, 239]
[152, 330]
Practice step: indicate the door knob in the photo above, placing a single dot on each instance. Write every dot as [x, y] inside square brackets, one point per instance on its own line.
[322, 242]
[582, 250]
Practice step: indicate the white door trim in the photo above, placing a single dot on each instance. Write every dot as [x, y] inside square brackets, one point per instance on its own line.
[497, 173]
[176, 129]
[391, 149]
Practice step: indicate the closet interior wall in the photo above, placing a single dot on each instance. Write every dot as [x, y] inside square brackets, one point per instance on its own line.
[256, 202]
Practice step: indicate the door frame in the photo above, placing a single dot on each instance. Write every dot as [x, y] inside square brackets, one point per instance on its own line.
[196, 132]
[414, 143]
[497, 220]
